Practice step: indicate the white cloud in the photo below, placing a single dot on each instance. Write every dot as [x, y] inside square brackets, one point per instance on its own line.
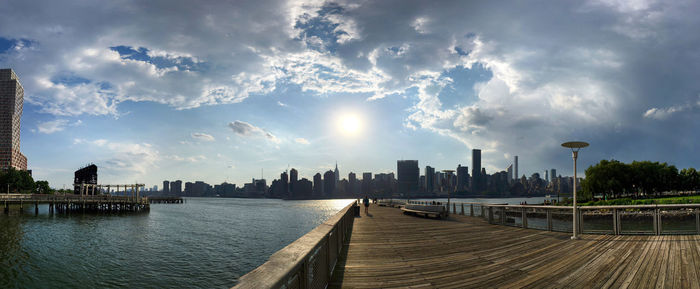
[664, 113]
[245, 129]
[49, 127]
[123, 160]
[197, 158]
[202, 136]
[302, 140]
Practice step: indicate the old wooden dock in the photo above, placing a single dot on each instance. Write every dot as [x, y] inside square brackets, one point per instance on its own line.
[165, 200]
[389, 249]
[75, 203]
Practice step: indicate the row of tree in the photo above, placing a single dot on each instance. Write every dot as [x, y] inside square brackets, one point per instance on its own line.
[617, 179]
[14, 181]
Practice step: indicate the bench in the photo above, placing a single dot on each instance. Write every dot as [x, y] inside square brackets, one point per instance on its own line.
[426, 210]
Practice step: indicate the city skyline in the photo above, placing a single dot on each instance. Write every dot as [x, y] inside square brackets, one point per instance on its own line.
[230, 95]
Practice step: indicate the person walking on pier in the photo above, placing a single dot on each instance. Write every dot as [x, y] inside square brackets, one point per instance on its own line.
[365, 201]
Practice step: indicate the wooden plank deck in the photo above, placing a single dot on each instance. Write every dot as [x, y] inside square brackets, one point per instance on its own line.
[389, 249]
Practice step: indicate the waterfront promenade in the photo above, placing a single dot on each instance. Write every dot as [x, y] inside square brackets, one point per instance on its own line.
[390, 249]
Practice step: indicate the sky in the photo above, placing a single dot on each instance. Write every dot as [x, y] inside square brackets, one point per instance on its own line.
[229, 91]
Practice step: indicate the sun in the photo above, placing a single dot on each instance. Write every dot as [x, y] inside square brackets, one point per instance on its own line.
[350, 124]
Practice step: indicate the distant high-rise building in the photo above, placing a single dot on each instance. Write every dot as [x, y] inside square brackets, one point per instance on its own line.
[366, 183]
[546, 175]
[429, 179]
[408, 176]
[293, 178]
[329, 182]
[11, 103]
[303, 189]
[515, 163]
[352, 183]
[553, 174]
[318, 186]
[509, 171]
[476, 171]
[166, 187]
[337, 174]
[282, 188]
[176, 187]
[462, 177]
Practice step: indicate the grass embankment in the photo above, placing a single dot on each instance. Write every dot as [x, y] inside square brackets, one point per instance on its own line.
[628, 201]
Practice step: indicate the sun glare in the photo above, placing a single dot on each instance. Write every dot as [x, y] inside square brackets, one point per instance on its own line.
[350, 124]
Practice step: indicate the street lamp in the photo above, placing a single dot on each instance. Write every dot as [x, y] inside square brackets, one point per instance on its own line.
[575, 146]
[449, 188]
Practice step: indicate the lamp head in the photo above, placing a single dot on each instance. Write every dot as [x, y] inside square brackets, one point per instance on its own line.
[575, 145]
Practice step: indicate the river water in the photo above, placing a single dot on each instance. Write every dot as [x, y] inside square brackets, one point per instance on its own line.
[203, 243]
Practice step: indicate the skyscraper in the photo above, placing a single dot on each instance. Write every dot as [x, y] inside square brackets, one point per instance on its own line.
[408, 176]
[509, 170]
[517, 177]
[166, 187]
[329, 181]
[176, 187]
[366, 183]
[293, 178]
[283, 186]
[429, 179]
[337, 174]
[476, 171]
[553, 174]
[352, 183]
[462, 177]
[318, 186]
[11, 103]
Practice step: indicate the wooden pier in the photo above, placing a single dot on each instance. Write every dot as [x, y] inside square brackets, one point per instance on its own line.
[165, 200]
[390, 250]
[75, 203]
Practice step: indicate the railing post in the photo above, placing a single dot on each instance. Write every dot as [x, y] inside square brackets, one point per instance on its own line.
[697, 220]
[549, 219]
[580, 221]
[462, 205]
[659, 228]
[490, 214]
[471, 210]
[503, 215]
[524, 217]
[454, 208]
[655, 222]
[615, 228]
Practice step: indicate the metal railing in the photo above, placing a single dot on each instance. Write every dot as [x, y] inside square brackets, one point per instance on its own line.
[616, 220]
[309, 261]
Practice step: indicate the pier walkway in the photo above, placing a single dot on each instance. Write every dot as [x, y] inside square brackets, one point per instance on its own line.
[389, 249]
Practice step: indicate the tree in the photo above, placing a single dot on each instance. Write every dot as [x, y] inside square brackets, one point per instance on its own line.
[42, 187]
[16, 181]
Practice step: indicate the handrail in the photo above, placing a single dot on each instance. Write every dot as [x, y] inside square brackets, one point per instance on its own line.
[609, 219]
[307, 262]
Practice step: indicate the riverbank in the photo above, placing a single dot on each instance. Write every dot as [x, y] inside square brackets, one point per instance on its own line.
[629, 201]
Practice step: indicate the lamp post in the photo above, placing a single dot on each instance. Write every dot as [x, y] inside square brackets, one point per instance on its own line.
[575, 146]
[449, 188]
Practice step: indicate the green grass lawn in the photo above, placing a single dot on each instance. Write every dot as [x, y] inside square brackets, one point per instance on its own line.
[628, 201]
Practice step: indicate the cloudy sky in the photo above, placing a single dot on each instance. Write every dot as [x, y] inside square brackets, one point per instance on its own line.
[216, 91]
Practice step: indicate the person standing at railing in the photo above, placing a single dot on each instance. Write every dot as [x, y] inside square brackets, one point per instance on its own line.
[365, 201]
